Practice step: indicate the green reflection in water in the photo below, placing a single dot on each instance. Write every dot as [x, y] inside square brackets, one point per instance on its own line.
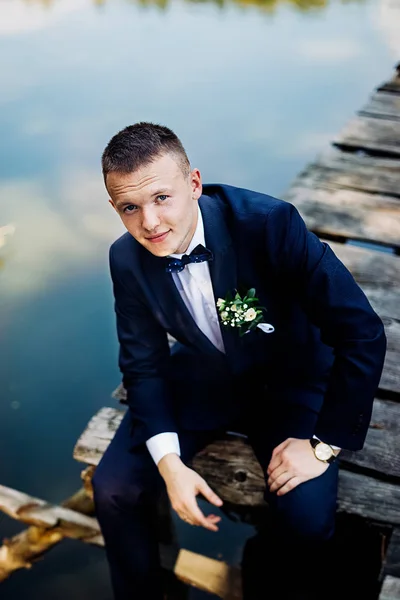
[265, 5]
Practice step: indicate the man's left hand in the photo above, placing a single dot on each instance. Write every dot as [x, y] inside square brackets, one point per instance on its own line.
[293, 462]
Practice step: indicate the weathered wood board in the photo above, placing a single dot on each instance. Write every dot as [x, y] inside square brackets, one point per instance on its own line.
[392, 562]
[390, 589]
[232, 470]
[348, 214]
[382, 105]
[335, 168]
[374, 135]
[393, 84]
[213, 576]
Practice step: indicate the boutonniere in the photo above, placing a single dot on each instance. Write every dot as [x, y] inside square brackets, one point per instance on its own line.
[243, 313]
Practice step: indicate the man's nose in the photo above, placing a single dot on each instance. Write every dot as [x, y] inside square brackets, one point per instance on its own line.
[150, 219]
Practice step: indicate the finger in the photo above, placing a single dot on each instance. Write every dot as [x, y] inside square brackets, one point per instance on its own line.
[289, 486]
[209, 494]
[275, 463]
[281, 447]
[280, 481]
[200, 519]
[276, 473]
[213, 518]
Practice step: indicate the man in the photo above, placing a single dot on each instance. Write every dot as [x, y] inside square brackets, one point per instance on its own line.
[300, 386]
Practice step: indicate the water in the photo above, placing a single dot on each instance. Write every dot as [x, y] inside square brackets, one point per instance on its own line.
[254, 89]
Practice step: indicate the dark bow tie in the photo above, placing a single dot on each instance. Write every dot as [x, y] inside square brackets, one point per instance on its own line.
[198, 254]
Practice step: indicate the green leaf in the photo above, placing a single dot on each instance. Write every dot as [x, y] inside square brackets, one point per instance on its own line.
[251, 293]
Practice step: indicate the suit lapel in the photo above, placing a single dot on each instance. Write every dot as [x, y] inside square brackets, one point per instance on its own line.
[164, 293]
[166, 297]
[223, 267]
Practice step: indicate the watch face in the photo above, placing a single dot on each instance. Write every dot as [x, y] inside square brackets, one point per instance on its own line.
[323, 451]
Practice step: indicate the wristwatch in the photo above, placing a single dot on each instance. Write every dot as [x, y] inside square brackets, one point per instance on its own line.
[323, 451]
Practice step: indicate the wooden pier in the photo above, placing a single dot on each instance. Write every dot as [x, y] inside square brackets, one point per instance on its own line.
[350, 197]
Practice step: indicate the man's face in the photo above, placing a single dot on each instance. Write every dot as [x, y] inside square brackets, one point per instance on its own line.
[158, 204]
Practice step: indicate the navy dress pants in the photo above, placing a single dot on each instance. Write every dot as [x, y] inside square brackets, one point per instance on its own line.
[293, 549]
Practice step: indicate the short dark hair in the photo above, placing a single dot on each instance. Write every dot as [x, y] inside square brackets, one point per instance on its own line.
[138, 145]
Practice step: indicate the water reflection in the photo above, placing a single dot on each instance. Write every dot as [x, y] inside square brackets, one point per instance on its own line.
[266, 5]
[253, 99]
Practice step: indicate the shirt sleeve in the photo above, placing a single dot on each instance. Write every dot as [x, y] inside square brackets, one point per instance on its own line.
[331, 445]
[163, 443]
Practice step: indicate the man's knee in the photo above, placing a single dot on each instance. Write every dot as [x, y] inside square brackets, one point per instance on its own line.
[113, 490]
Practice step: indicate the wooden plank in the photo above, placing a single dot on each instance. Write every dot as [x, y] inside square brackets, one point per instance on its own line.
[210, 575]
[348, 214]
[378, 274]
[231, 469]
[335, 168]
[99, 432]
[34, 511]
[371, 269]
[382, 105]
[26, 547]
[392, 560]
[390, 380]
[390, 589]
[381, 452]
[369, 498]
[374, 135]
[393, 85]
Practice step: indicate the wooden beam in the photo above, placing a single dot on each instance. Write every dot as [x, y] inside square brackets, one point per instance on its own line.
[374, 135]
[210, 575]
[231, 469]
[348, 214]
[51, 525]
[393, 85]
[382, 104]
[391, 564]
[334, 168]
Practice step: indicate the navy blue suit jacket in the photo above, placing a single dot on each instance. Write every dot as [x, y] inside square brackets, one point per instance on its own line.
[328, 342]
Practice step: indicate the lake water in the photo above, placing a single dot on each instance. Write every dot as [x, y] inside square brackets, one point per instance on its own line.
[254, 89]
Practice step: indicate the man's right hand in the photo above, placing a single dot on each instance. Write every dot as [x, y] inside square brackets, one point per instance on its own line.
[183, 485]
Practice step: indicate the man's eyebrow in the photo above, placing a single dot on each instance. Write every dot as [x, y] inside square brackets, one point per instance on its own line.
[123, 203]
[160, 192]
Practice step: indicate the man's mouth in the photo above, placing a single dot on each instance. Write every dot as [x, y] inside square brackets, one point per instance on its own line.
[160, 237]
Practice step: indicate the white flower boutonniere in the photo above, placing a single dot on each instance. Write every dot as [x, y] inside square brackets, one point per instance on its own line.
[243, 313]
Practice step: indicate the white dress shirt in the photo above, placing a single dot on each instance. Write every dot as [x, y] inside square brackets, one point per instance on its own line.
[195, 287]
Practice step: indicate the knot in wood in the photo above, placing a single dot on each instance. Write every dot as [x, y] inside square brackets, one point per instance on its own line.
[240, 476]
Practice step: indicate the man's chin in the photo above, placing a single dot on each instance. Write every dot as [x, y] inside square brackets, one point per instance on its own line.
[158, 250]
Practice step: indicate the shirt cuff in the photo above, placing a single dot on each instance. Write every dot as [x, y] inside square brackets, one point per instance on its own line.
[331, 445]
[163, 443]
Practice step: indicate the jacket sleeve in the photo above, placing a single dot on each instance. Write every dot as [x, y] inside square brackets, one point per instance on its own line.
[143, 358]
[335, 303]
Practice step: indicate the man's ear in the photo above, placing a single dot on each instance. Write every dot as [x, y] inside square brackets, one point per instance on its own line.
[197, 188]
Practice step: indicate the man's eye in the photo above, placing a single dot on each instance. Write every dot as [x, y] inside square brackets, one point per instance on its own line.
[162, 197]
[129, 209]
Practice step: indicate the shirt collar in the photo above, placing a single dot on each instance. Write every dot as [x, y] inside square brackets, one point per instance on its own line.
[198, 236]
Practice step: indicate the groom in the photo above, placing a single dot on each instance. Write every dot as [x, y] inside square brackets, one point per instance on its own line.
[300, 386]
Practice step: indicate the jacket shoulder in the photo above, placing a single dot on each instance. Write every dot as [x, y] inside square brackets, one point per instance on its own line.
[124, 251]
[244, 202]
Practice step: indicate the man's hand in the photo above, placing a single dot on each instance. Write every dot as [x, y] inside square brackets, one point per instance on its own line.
[292, 463]
[183, 485]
